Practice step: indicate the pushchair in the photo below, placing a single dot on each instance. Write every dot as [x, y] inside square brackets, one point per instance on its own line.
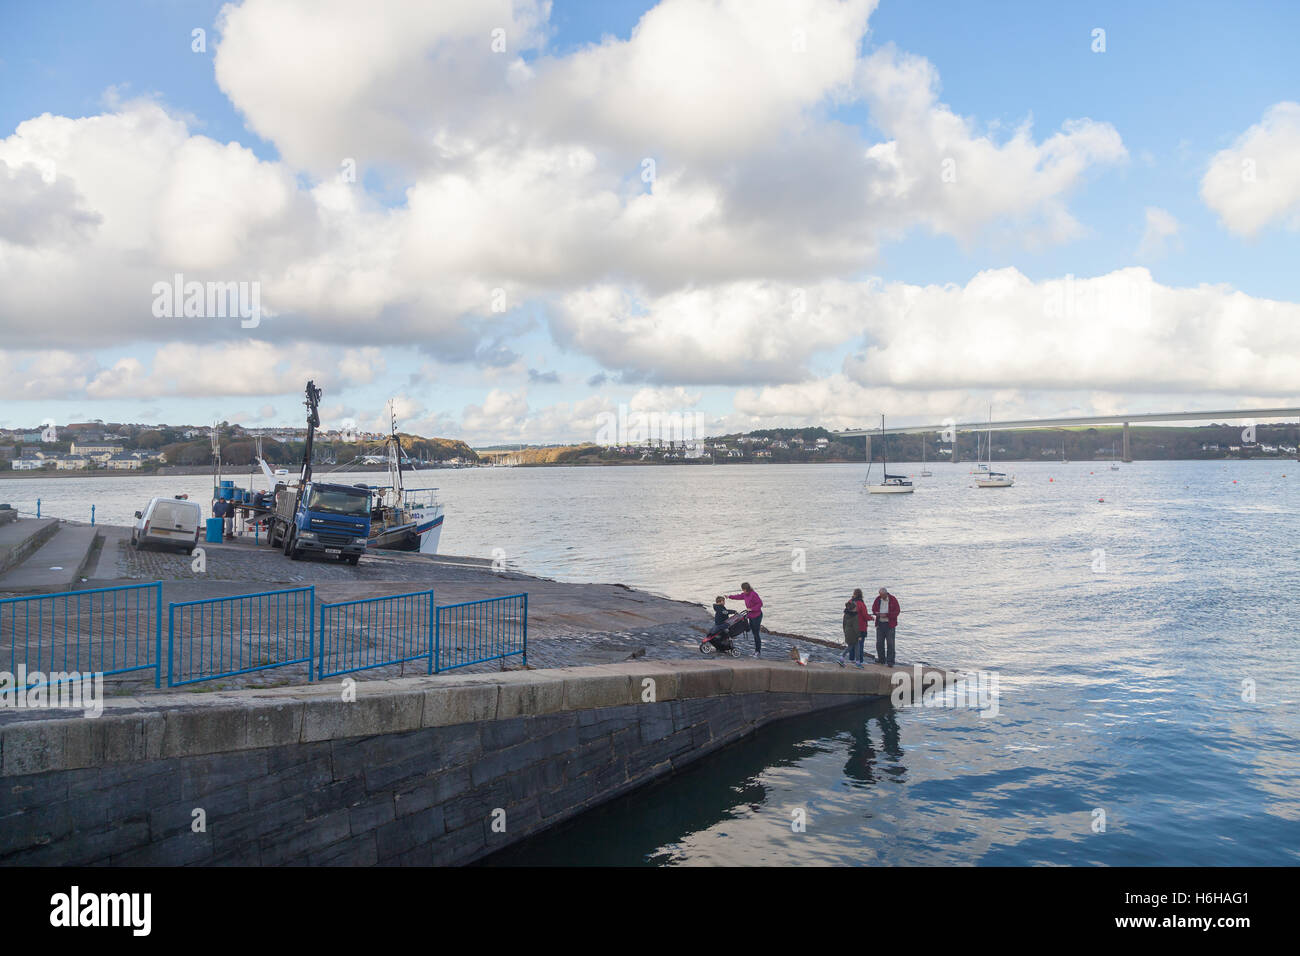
[721, 636]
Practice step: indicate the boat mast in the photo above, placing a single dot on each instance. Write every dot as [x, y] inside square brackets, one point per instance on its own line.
[395, 456]
[989, 437]
[884, 463]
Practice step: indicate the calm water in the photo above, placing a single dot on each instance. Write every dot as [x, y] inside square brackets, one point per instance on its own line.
[1121, 689]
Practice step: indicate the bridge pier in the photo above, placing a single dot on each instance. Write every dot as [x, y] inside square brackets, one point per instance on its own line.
[1128, 455]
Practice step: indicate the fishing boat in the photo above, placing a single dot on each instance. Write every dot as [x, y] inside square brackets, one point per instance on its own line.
[404, 519]
[988, 478]
[891, 484]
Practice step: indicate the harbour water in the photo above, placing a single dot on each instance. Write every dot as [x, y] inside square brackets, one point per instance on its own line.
[1142, 624]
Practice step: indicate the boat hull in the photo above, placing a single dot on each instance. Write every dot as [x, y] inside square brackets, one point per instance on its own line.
[890, 489]
[421, 534]
[994, 482]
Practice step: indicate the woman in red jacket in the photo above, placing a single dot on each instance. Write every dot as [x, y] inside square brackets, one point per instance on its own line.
[885, 608]
[754, 605]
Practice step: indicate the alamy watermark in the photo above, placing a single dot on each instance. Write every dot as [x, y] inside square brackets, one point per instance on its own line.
[626, 427]
[208, 300]
[977, 691]
[61, 690]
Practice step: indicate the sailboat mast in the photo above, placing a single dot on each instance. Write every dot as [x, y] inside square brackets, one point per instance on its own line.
[884, 462]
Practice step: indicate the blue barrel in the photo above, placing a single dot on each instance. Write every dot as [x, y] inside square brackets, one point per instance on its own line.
[213, 531]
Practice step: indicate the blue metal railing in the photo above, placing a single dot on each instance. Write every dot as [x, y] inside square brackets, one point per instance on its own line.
[222, 637]
[359, 635]
[475, 632]
[37, 514]
[113, 630]
[118, 630]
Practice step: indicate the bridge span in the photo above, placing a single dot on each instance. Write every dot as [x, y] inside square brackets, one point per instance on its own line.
[953, 427]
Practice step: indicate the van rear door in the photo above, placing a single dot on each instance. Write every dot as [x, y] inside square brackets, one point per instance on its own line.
[174, 519]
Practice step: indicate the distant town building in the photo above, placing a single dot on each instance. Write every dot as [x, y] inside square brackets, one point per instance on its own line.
[99, 452]
[123, 463]
[27, 464]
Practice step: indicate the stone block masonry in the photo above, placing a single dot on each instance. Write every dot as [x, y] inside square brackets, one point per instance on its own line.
[414, 771]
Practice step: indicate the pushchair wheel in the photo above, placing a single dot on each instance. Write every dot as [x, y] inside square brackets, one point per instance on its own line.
[734, 652]
[705, 647]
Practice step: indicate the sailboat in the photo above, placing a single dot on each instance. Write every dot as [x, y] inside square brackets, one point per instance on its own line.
[1114, 466]
[891, 484]
[925, 473]
[990, 478]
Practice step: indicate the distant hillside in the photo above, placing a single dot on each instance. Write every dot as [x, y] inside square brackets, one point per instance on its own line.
[199, 452]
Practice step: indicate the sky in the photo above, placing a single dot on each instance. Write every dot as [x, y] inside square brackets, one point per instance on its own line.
[514, 217]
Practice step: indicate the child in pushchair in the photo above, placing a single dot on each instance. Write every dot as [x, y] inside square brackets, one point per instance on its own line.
[726, 626]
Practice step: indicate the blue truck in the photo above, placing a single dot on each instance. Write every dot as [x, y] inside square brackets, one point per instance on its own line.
[316, 517]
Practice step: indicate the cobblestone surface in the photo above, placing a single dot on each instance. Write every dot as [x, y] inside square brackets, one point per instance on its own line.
[568, 624]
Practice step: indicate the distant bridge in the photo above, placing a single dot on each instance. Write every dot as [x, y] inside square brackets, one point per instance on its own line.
[1125, 420]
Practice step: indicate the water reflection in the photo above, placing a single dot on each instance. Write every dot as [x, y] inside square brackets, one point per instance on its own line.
[726, 790]
[860, 766]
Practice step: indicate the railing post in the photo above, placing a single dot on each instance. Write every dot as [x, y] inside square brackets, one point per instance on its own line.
[433, 617]
[525, 629]
[92, 516]
[38, 507]
[311, 631]
[436, 660]
[171, 629]
[157, 656]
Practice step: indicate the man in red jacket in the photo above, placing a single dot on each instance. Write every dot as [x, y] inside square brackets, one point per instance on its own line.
[885, 608]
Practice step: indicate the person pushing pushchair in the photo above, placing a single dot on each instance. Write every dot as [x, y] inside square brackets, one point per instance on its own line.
[727, 625]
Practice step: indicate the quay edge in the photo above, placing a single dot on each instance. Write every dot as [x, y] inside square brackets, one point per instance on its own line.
[416, 770]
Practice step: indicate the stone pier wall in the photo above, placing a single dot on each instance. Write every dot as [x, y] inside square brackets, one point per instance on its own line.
[413, 771]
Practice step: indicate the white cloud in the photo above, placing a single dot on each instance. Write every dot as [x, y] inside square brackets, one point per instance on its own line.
[1256, 182]
[182, 369]
[1122, 332]
[329, 80]
[43, 374]
[734, 333]
[520, 181]
[1161, 230]
[937, 169]
[706, 78]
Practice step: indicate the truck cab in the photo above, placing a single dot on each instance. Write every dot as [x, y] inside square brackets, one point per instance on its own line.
[329, 519]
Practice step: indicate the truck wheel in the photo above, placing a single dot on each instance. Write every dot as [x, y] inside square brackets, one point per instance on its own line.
[286, 542]
[352, 559]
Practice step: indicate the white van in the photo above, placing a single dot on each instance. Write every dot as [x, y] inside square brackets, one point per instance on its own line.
[168, 521]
